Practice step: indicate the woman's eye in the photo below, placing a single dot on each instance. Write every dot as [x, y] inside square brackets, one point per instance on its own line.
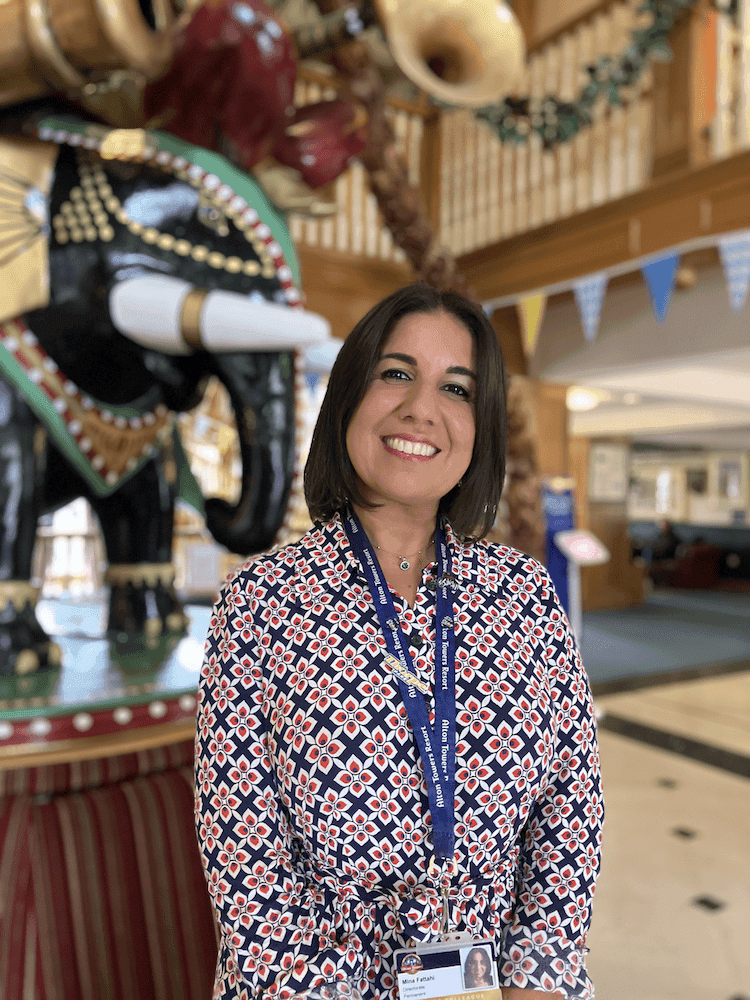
[394, 373]
[458, 390]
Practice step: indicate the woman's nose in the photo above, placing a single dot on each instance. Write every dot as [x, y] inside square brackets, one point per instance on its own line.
[420, 402]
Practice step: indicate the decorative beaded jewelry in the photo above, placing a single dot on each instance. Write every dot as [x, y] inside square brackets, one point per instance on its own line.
[86, 216]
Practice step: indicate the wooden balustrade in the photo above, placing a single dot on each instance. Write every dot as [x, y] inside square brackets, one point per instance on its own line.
[490, 191]
[731, 124]
[479, 191]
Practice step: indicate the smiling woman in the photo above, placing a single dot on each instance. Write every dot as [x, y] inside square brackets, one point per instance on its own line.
[396, 737]
[453, 340]
[411, 438]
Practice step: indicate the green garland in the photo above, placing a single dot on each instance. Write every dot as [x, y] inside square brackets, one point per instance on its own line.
[556, 121]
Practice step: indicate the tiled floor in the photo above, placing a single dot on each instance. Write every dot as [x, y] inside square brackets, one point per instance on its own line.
[672, 911]
[714, 710]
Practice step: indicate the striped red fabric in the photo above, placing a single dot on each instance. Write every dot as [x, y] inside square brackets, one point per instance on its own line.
[102, 888]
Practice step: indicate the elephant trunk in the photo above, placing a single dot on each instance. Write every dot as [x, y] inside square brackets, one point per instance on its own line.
[261, 389]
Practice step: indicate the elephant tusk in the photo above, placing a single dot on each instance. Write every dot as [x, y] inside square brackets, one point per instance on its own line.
[171, 315]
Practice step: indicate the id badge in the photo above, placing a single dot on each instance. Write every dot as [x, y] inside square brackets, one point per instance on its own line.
[448, 970]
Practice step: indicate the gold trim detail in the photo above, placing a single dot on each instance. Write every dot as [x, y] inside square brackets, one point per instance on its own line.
[113, 445]
[19, 593]
[132, 38]
[140, 574]
[146, 53]
[47, 55]
[86, 214]
[190, 318]
[27, 662]
[124, 144]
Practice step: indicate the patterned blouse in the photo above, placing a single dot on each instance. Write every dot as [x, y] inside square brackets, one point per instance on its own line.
[311, 803]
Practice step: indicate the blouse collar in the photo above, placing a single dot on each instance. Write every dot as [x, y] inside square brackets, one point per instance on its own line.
[468, 560]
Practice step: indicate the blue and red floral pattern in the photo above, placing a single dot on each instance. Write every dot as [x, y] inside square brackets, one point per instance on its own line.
[311, 803]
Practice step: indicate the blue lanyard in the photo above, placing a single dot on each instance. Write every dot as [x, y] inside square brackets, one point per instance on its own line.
[437, 747]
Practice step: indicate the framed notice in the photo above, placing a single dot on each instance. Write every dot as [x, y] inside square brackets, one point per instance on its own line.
[608, 472]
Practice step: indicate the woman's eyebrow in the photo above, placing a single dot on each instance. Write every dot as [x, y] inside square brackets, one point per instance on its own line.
[409, 360]
[406, 358]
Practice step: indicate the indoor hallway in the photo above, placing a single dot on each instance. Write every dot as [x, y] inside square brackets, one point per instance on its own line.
[672, 911]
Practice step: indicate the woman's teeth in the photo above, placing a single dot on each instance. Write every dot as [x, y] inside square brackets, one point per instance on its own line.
[410, 447]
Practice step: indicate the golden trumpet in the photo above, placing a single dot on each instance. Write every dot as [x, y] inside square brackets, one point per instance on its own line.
[464, 52]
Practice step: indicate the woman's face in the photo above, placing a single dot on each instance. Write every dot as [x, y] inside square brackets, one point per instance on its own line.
[477, 965]
[411, 438]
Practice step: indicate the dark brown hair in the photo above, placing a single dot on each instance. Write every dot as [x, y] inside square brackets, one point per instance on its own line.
[330, 480]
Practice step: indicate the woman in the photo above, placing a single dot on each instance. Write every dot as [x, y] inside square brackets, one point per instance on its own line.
[477, 970]
[352, 798]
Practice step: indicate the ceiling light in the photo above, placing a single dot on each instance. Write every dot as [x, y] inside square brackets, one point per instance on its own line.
[579, 398]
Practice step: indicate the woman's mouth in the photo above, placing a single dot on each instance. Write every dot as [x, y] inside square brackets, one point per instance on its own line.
[406, 447]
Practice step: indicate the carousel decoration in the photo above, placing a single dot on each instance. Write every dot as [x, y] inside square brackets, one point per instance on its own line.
[85, 51]
[464, 55]
[214, 264]
[233, 56]
[105, 355]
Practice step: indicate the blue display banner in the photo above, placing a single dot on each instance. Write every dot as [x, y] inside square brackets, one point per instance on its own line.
[559, 509]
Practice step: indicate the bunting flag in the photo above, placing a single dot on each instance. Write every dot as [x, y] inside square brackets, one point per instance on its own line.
[531, 313]
[589, 293]
[734, 251]
[660, 275]
[313, 381]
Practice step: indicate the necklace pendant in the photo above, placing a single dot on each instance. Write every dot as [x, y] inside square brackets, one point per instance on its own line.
[404, 564]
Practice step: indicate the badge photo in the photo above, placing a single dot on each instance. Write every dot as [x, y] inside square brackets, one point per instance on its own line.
[478, 968]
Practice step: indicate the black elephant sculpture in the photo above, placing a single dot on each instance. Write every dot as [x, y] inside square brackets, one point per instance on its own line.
[132, 268]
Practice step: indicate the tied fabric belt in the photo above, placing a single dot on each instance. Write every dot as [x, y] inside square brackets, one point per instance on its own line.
[418, 910]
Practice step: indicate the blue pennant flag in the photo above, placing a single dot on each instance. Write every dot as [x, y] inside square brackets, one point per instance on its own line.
[660, 275]
[734, 251]
[313, 381]
[589, 293]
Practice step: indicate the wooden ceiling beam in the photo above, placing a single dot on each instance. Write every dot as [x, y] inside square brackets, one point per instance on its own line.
[688, 209]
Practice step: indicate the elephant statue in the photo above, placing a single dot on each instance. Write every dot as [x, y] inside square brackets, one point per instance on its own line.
[133, 267]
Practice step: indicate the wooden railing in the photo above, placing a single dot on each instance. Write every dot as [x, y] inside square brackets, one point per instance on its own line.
[490, 190]
[731, 126]
[481, 191]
